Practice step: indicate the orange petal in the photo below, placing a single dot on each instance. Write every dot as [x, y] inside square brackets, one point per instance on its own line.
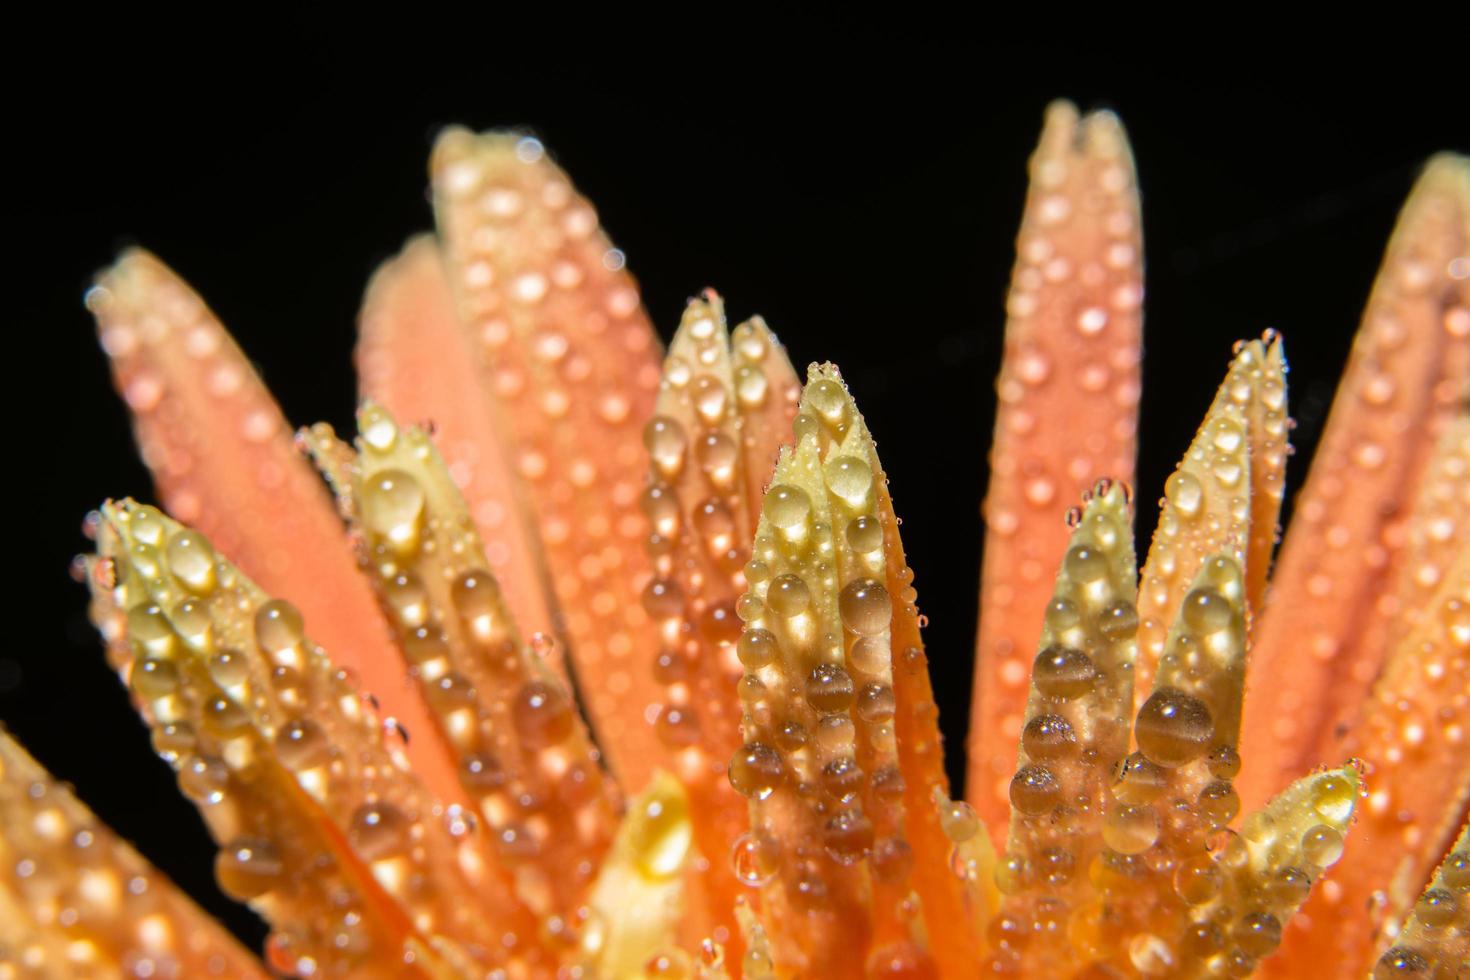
[573, 365]
[1267, 426]
[1322, 638]
[224, 462]
[54, 855]
[1068, 409]
[415, 360]
[1437, 530]
[1412, 735]
[956, 907]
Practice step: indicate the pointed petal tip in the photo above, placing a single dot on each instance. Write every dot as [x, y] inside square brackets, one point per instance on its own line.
[1096, 133]
[458, 144]
[129, 256]
[120, 279]
[699, 311]
[1449, 167]
[1059, 121]
[418, 247]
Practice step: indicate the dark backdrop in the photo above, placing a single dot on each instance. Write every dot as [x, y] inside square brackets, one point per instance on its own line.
[861, 193]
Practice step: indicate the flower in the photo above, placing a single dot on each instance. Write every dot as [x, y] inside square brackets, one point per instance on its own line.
[704, 554]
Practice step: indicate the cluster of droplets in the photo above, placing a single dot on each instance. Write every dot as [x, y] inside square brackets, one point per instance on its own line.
[711, 428]
[275, 745]
[1131, 854]
[820, 759]
[88, 904]
[523, 757]
[1435, 942]
[1231, 894]
[1226, 490]
[1075, 732]
[724, 406]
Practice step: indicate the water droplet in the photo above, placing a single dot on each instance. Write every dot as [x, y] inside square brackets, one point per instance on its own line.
[755, 859]
[223, 718]
[664, 439]
[829, 401]
[1092, 320]
[542, 715]
[788, 595]
[756, 648]
[191, 560]
[750, 386]
[229, 668]
[1033, 367]
[378, 831]
[710, 398]
[1334, 797]
[248, 867]
[786, 506]
[1039, 491]
[829, 689]
[393, 507]
[1035, 791]
[875, 703]
[865, 535]
[865, 607]
[1086, 564]
[848, 836]
[1401, 961]
[154, 678]
[1322, 845]
[661, 834]
[278, 628]
[1206, 611]
[301, 745]
[1184, 492]
[958, 820]
[1047, 738]
[1173, 728]
[756, 770]
[849, 478]
[1130, 829]
[1062, 672]
[1258, 933]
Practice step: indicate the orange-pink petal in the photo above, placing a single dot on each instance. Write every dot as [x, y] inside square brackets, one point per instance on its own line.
[573, 365]
[224, 462]
[1069, 390]
[1325, 630]
[414, 359]
[1412, 734]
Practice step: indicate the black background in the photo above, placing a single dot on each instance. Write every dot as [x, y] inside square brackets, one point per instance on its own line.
[861, 192]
